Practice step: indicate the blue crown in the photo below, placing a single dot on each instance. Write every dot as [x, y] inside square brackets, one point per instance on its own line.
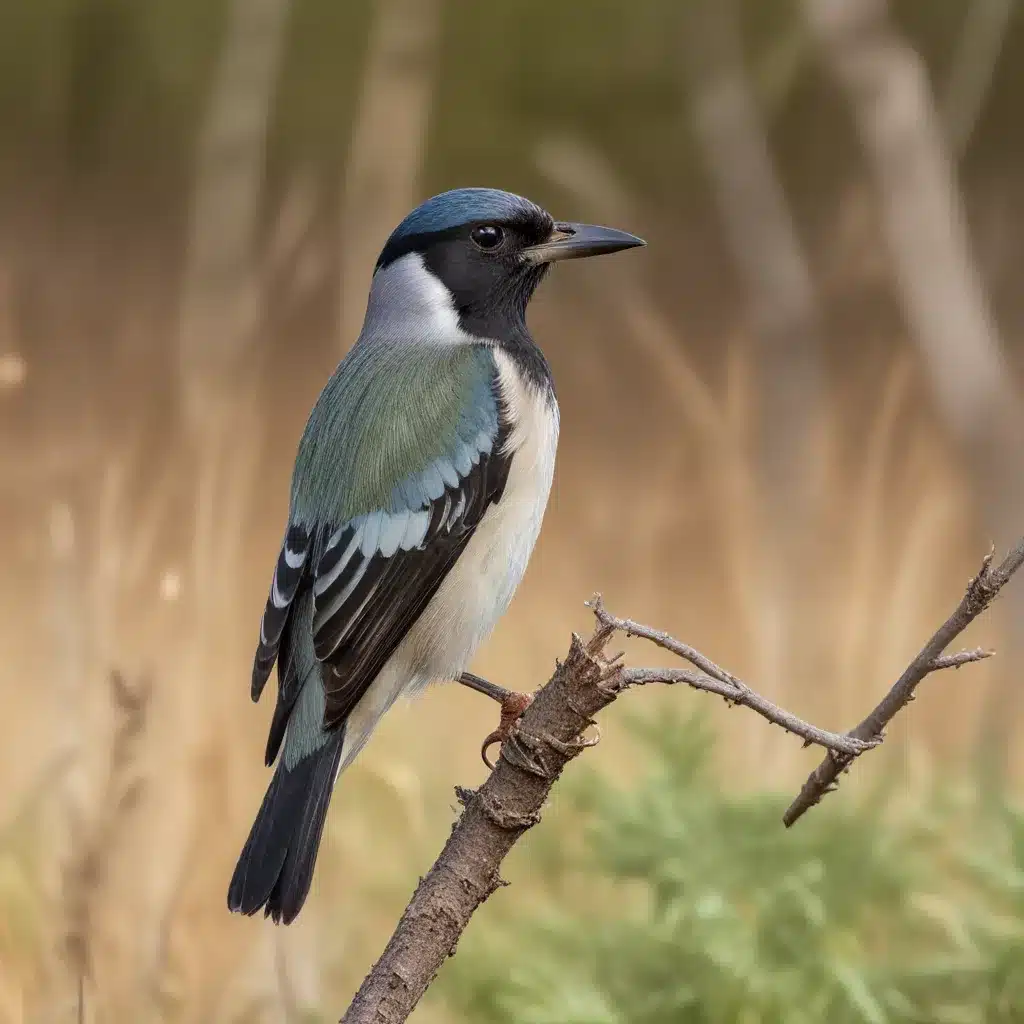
[463, 206]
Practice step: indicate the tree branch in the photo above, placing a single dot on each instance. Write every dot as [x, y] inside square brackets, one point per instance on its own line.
[713, 679]
[979, 595]
[551, 733]
[495, 816]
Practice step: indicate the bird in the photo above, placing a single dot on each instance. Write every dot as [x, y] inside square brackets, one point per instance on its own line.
[417, 495]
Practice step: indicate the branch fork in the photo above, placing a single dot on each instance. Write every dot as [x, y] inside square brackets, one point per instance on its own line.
[551, 731]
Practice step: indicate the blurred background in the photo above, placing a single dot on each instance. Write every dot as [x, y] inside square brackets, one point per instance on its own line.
[792, 427]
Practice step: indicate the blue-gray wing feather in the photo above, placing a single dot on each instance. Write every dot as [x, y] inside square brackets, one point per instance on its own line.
[373, 582]
[291, 571]
[372, 576]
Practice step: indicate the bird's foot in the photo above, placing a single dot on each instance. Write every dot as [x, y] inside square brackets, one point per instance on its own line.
[512, 708]
[518, 748]
[513, 705]
[531, 753]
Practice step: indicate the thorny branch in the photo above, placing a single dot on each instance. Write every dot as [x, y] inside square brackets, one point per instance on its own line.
[551, 733]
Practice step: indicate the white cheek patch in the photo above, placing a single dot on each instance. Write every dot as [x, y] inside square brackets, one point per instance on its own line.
[406, 294]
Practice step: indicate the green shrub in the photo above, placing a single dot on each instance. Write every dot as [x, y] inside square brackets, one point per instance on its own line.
[688, 903]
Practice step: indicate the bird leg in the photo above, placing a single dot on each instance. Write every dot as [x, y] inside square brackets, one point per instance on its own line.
[513, 705]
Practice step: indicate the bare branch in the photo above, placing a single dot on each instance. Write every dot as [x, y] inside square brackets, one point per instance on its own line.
[713, 678]
[664, 641]
[979, 595]
[961, 658]
[811, 734]
[551, 733]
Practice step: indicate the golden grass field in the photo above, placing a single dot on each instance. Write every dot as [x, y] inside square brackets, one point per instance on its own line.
[153, 152]
[122, 808]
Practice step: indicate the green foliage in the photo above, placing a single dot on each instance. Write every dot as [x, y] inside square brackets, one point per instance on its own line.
[702, 908]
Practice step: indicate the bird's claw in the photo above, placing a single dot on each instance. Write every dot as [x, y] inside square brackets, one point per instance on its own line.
[573, 747]
[512, 708]
[524, 752]
[519, 749]
[527, 752]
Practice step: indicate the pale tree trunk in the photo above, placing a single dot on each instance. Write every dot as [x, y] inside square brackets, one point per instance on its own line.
[388, 145]
[886, 85]
[974, 64]
[784, 321]
[221, 312]
[221, 305]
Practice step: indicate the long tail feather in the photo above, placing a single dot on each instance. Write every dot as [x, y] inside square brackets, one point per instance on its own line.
[275, 868]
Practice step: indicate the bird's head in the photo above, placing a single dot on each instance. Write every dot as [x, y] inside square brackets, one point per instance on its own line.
[474, 257]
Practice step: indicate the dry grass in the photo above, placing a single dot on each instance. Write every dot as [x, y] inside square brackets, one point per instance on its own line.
[670, 537]
[95, 844]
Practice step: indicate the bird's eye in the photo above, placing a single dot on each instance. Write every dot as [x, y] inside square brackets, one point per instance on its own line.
[487, 237]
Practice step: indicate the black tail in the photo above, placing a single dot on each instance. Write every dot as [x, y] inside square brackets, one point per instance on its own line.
[275, 868]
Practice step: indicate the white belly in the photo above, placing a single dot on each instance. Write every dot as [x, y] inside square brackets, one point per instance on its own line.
[478, 589]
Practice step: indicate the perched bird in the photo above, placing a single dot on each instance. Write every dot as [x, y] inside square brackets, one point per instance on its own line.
[417, 496]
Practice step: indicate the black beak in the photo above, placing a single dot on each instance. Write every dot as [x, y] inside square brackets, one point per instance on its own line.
[573, 241]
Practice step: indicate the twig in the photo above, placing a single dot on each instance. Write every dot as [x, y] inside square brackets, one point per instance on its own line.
[550, 734]
[979, 595]
[713, 678]
[811, 734]
[960, 658]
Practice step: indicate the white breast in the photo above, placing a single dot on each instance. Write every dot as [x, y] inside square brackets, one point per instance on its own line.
[476, 593]
[478, 589]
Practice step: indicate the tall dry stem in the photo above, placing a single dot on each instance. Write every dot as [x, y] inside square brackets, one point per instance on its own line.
[87, 872]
